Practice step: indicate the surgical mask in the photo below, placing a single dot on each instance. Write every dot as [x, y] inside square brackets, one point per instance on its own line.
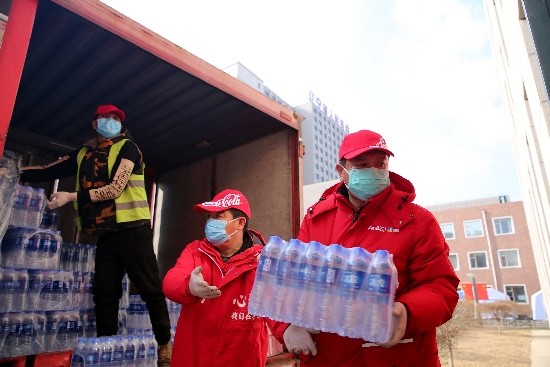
[364, 183]
[108, 127]
[215, 231]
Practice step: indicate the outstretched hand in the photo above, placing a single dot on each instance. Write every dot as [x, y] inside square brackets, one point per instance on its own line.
[199, 287]
[60, 198]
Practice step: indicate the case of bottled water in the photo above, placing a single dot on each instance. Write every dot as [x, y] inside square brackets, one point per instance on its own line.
[28, 207]
[30, 248]
[348, 291]
[21, 333]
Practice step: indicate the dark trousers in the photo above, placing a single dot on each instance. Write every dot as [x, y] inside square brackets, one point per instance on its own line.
[131, 251]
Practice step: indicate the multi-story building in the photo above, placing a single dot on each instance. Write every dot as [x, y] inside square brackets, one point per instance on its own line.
[489, 242]
[322, 134]
[322, 131]
[520, 30]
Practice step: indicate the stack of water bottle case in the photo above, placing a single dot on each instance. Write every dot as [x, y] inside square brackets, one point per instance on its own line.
[46, 288]
[348, 291]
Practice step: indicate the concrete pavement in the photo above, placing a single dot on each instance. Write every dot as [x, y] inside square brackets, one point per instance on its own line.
[540, 348]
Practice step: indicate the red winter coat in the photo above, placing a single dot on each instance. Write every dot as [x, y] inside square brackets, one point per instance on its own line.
[218, 331]
[427, 281]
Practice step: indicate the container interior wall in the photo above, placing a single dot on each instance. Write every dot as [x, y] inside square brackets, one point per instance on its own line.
[261, 170]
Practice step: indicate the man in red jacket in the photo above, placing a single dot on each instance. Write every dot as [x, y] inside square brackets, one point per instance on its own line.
[212, 279]
[372, 208]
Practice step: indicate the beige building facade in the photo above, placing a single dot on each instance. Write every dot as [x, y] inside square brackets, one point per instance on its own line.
[520, 30]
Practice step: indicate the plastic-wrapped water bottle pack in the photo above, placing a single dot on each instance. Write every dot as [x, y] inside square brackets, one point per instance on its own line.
[348, 291]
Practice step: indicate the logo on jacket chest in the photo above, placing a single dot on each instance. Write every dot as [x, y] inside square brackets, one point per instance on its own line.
[383, 229]
[240, 309]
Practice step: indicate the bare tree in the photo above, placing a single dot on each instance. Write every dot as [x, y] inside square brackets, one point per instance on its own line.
[463, 317]
[498, 310]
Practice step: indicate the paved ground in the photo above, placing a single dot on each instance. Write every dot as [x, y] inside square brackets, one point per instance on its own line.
[540, 348]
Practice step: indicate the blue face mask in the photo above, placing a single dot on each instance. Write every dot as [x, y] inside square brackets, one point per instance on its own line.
[215, 231]
[364, 183]
[108, 127]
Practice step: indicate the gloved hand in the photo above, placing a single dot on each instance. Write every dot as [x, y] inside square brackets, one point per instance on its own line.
[199, 287]
[60, 198]
[298, 340]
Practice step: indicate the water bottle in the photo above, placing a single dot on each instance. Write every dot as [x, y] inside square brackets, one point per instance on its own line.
[152, 348]
[106, 354]
[40, 329]
[27, 333]
[381, 286]
[52, 255]
[313, 274]
[118, 351]
[141, 351]
[93, 352]
[331, 301]
[44, 239]
[355, 282]
[53, 319]
[75, 257]
[129, 351]
[20, 289]
[7, 279]
[263, 289]
[287, 276]
[27, 211]
[78, 359]
[38, 198]
[32, 259]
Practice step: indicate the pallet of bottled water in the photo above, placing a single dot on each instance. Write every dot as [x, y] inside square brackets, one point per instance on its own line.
[30, 248]
[348, 291]
[139, 351]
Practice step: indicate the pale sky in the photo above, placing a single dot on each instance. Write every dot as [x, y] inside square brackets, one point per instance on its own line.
[419, 72]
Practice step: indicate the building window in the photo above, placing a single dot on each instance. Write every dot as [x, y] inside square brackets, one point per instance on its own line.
[516, 293]
[473, 228]
[503, 225]
[453, 258]
[478, 260]
[509, 258]
[448, 230]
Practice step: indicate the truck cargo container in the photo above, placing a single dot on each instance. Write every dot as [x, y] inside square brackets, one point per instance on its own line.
[200, 129]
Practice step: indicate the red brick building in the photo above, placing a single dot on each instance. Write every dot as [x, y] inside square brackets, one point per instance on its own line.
[489, 240]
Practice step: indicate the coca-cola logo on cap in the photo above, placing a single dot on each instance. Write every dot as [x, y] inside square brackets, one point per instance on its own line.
[227, 201]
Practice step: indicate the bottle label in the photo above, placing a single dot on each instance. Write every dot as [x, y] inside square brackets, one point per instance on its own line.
[379, 283]
[353, 279]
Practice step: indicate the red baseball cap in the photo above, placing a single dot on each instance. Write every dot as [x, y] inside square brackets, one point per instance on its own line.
[227, 199]
[360, 142]
[109, 108]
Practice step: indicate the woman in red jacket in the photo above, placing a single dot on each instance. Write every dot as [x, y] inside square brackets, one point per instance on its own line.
[212, 279]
